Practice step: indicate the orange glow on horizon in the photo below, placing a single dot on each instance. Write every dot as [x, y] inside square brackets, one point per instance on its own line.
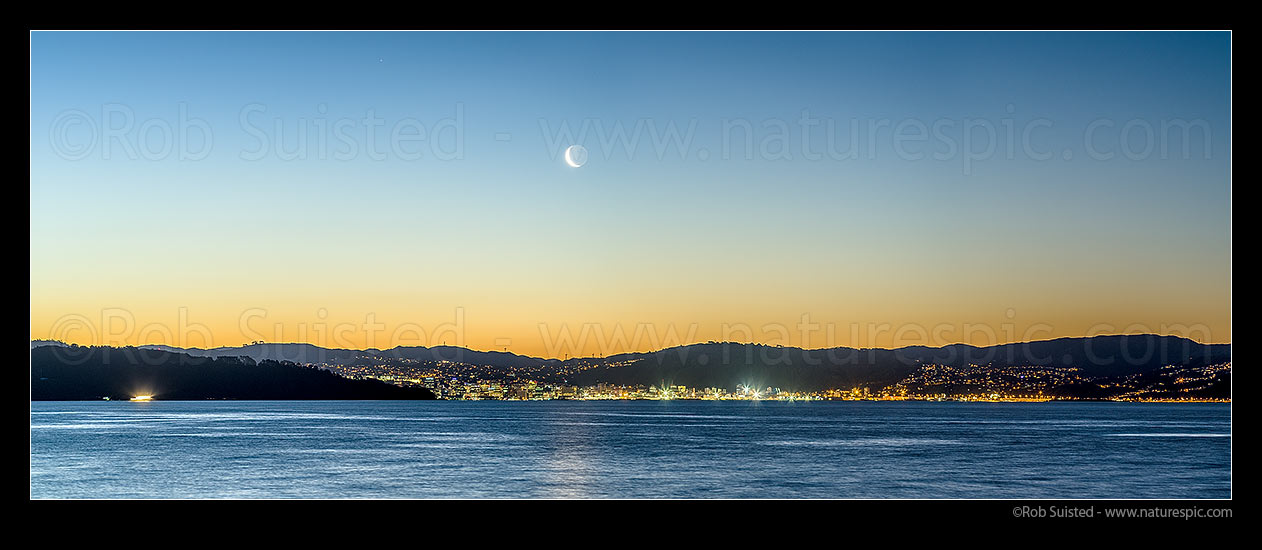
[561, 337]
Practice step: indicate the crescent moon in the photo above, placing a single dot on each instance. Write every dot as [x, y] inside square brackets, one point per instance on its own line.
[569, 159]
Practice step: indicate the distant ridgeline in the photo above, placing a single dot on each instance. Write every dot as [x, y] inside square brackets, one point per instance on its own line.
[273, 371]
[728, 365]
[69, 373]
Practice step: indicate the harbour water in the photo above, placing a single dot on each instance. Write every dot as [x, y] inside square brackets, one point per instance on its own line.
[628, 449]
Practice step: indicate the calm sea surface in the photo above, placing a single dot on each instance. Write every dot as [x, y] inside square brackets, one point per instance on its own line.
[634, 449]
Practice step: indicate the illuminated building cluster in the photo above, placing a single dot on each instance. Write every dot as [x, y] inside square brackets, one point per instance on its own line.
[985, 383]
[1172, 383]
[931, 382]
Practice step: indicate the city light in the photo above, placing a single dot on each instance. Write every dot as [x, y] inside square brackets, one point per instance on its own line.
[455, 380]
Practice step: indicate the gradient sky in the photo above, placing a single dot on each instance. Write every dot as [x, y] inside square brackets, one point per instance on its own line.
[203, 189]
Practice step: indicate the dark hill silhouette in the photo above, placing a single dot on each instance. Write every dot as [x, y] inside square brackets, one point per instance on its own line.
[728, 365]
[465, 355]
[1110, 355]
[78, 373]
[311, 354]
[295, 353]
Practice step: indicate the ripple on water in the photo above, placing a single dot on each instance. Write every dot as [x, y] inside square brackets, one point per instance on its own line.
[863, 442]
[1170, 435]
